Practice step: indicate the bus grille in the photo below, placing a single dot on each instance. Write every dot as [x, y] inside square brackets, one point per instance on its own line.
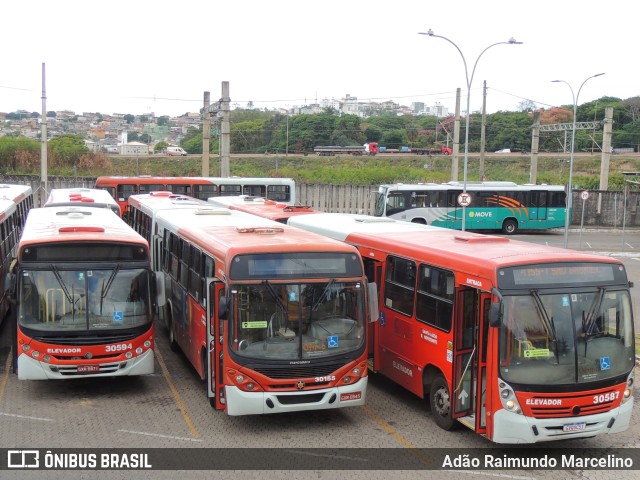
[80, 341]
[295, 371]
[554, 411]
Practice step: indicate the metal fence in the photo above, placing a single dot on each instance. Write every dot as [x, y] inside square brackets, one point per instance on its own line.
[603, 208]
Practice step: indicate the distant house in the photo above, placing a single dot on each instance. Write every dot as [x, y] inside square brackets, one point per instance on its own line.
[134, 148]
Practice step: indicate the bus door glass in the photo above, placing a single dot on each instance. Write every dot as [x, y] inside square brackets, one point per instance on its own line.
[454, 211]
[538, 207]
[214, 346]
[466, 345]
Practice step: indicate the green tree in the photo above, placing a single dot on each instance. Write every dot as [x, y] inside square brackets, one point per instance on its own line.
[66, 150]
[51, 114]
[129, 118]
[133, 137]
[163, 120]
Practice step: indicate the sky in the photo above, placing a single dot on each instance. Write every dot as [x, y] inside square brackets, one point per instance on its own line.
[158, 56]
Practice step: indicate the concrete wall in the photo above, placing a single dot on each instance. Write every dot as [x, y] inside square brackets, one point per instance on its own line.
[605, 208]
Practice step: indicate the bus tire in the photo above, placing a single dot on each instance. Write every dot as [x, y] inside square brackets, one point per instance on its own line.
[509, 226]
[173, 345]
[440, 401]
[420, 221]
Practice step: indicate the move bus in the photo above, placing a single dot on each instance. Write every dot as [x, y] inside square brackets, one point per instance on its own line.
[86, 197]
[279, 189]
[261, 207]
[504, 206]
[15, 203]
[521, 343]
[83, 291]
[272, 317]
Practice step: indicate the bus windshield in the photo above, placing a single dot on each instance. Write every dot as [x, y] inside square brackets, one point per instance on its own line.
[565, 338]
[69, 301]
[297, 320]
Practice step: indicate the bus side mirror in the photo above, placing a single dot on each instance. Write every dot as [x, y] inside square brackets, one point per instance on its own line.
[372, 296]
[160, 291]
[495, 314]
[223, 308]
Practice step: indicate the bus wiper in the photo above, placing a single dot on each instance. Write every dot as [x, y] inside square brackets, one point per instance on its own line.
[275, 296]
[105, 288]
[548, 323]
[68, 296]
[589, 321]
[318, 301]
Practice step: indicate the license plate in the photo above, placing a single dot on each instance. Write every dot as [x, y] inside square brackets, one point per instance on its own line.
[88, 368]
[345, 397]
[574, 427]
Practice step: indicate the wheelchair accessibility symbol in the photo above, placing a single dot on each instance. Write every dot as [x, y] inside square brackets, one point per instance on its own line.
[118, 316]
[332, 341]
[605, 363]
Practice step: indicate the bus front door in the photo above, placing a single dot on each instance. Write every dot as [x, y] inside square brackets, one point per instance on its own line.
[215, 336]
[470, 357]
[538, 206]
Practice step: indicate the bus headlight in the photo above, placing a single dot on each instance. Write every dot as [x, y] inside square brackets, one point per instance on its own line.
[139, 351]
[356, 372]
[35, 354]
[147, 344]
[239, 379]
[46, 358]
[128, 355]
[628, 392]
[508, 398]
[347, 379]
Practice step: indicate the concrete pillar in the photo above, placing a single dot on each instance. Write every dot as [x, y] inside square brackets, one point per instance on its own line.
[606, 153]
[225, 131]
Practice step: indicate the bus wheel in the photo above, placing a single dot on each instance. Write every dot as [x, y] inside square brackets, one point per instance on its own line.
[440, 401]
[421, 221]
[173, 345]
[510, 226]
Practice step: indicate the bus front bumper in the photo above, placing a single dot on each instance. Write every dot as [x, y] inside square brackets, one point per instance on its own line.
[31, 369]
[240, 402]
[509, 427]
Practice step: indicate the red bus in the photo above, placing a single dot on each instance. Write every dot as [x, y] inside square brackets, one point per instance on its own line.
[282, 190]
[279, 212]
[272, 317]
[15, 203]
[521, 343]
[84, 296]
[85, 197]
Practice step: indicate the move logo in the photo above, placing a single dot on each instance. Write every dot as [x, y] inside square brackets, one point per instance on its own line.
[481, 214]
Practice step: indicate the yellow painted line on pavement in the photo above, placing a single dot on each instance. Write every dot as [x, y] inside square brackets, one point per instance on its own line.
[414, 450]
[176, 395]
[5, 377]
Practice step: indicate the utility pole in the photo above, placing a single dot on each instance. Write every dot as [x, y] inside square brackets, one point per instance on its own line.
[483, 128]
[206, 135]
[456, 140]
[535, 141]
[43, 142]
[225, 131]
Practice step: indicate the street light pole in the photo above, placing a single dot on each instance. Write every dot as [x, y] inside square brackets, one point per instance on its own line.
[567, 215]
[469, 80]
